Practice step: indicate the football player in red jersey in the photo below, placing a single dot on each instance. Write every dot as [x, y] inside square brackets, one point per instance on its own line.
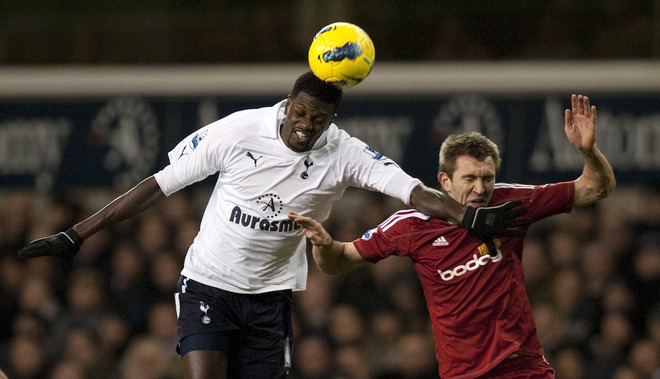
[481, 316]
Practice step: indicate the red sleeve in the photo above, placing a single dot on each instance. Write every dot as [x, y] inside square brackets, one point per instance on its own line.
[541, 200]
[385, 240]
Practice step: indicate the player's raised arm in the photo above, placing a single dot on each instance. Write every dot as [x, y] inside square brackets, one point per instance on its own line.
[597, 180]
[332, 257]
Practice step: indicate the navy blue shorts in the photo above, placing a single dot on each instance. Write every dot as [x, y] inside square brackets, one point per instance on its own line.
[253, 330]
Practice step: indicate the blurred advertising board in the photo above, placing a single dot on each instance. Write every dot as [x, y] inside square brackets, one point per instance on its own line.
[118, 141]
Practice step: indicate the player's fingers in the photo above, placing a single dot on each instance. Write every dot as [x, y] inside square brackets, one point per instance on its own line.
[302, 222]
[32, 251]
[593, 112]
[511, 204]
[295, 217]
[568, 117]
[313, 235]
[586, 105]
[574, 102]
[580, 104]
[517, 212]
[316, 237]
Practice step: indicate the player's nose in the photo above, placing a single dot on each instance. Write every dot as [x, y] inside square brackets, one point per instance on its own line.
[479, 187]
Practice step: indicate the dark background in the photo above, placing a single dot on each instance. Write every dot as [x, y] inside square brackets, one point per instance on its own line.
[206, 31]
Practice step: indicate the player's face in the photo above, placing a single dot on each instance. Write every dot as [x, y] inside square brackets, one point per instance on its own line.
[306, 119]
[473, 181]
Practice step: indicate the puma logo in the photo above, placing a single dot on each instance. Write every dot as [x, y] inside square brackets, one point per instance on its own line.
[183, 152]
[249, 154]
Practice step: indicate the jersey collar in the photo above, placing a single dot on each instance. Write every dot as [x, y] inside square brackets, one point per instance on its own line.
[270, 126]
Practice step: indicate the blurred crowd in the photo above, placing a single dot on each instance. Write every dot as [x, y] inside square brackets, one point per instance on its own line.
[593, 278]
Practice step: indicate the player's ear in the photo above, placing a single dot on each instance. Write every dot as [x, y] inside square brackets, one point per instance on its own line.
[287, 104]
[445, 181]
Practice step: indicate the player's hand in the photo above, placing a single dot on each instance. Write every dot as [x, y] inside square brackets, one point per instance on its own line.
[312, 229]
[63, 246]
[486, 222]
[580, 123]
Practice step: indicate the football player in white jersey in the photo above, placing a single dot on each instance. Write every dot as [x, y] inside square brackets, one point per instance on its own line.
[234, 296]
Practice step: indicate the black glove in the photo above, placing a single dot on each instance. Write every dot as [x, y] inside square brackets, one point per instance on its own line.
[63, 246]
[486, 222]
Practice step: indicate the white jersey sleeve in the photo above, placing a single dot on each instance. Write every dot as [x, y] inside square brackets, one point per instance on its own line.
[401, 186]
[198, 156]
[366, 168]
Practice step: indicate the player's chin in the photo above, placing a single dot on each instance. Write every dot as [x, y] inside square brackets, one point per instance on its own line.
[298, 147]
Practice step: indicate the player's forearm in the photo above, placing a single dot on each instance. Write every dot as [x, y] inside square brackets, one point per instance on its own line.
[436, 204]
[597, 180]
[329, 258]
[135, 201]
[334, 259]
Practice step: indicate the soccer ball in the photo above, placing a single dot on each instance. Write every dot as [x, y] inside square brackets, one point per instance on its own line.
[341, 54]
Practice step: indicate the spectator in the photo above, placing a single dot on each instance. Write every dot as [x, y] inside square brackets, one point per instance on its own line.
[82, 345]
[68, 369]
[646, 270]
[314, 304]
[26, 358]
[314, 358]
[354, 362]
[346, 325]
[385, 329]
[86, 304]
[537, 267]
[607, 349]
[644, 358]
[569, 362]
[416, 359]
[165, 272]
[114, 336]
[143, 359]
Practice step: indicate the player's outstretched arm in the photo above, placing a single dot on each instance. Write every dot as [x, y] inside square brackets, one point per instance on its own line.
[436, 204]
[597, 180]
[332, 257]
[65, 245]
[485, 221]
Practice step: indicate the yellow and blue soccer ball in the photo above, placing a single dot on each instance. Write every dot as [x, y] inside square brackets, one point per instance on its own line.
[342, 54]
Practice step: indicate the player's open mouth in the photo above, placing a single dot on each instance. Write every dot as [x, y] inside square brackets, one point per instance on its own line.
[477, 203]
[302, 136]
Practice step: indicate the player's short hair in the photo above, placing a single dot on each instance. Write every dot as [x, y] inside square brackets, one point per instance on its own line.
[473, 144]
[317, 88]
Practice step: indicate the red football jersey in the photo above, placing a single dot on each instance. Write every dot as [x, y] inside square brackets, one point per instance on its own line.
[478, 305]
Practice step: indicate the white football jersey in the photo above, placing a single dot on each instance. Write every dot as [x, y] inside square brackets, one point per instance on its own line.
[246, 243]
